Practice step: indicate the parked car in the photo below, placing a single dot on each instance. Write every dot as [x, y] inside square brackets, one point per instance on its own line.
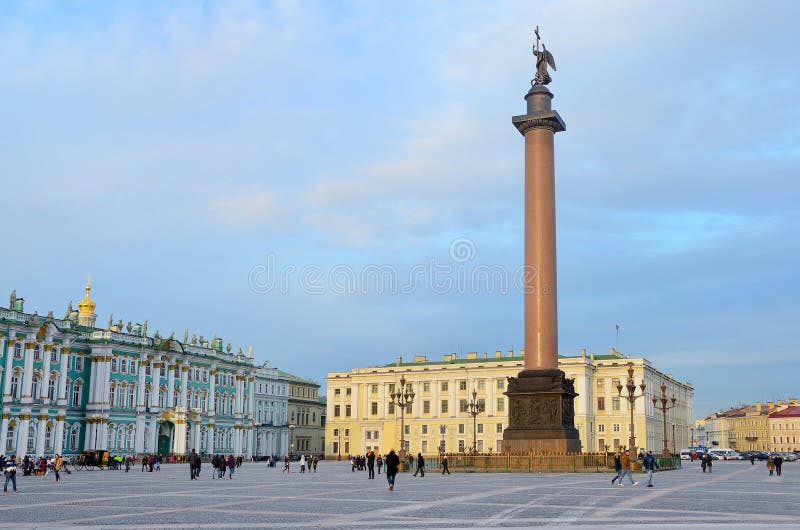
[760, 455]
[789, 457]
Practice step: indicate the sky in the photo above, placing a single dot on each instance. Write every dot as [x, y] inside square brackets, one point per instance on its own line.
[339, 183]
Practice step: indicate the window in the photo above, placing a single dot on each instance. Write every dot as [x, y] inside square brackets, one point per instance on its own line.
[162, 371]
[408, 408]
[147, 369]
[499, 428]
[501, 384]
[426, 407]
[51, 389]
[347, 410]
[35, 387]
[407, 430]
[54, 355]
[11, 436]
[347, 432]
[444, 406]
[133, 368]
[601, 383]
[31, 437]
[601, 444]
[391, 388]
[336, 432]
[123, 366]
[480, 428]
[501, 404]
[424, 446]
[614, 403]
[190, 375]
[348, 391]
[601, 428]
[374, 408]
[426, 387]
[461, 446]
[216, 379]
[615, 427]
[463, 405]
[391, 407]
[462, 385]
[424, 429]
[481, 384]
[113, 364]
[460, 428]
[37, 353]
[131, 397]
[73, 438]
[48, 438]
[374, 389]
[601, 404]
[337, 410]
[337, 392]
[78, 363]
[112, 394]
[76, 395]
[15, 386]
[444, 386]
[18, 350]
[614, 383]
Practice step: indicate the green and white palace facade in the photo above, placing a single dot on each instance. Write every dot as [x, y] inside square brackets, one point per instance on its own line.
[70, 386]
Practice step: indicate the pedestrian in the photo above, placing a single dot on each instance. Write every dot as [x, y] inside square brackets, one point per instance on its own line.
[752, 459]
[371, 464]
[445, 464]
[420, 465]
[302, 463]
[703, 462]
[158, 464]
[286, 465]
[649, 463]
[314, 462]
[194, 465]
[626, 470]
[379, 461]
[617, 468]
[11, 474]
[144, 463]
[231, 466]
[57, 462]
[778, 464]
[392, 462]
[709, 462]
[771, 464]
[128, 463]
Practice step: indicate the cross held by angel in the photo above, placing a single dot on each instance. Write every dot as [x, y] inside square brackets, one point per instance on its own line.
[543, 58]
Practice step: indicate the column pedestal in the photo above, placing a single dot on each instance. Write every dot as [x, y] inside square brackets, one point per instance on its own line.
[541, 415]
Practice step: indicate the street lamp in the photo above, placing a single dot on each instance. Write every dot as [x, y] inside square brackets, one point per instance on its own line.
[665, 406]
[631, 397]
[339, 446]
[474, 408]
[673, 437]
[96, 421]
[291, 438]
[402, 398]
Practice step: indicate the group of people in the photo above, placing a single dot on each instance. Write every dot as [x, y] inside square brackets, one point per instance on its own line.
[149, 463]
[366, 462]
[622, 468]
[774, 464]
[30, 466]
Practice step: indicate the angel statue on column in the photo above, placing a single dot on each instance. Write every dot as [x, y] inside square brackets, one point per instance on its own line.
[543, 58]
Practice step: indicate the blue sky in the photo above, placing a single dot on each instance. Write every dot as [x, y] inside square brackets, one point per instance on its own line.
[186, 153]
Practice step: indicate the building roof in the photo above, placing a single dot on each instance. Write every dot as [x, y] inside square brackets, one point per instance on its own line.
[509, 358]
[296, 379]
[789, 412]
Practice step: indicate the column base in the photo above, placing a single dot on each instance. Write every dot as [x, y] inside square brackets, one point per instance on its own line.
[540, 413]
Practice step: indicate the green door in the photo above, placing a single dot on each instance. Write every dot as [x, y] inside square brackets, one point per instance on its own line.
[164, 444]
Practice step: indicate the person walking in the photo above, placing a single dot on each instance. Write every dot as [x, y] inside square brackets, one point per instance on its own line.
[649, 463]
[778, 464]
[392, 462]
[231, 466]
[314, 462]
[626, 470]
[703, 462]
[771, 464]
[10, 470]
[194, 465]
[57, 463]
[302, 463]
[371, 464]
[752, 459]
[445, 464]
[709, 462]
[617, 468]
[286, 465]
[420, 466]
[379, 461]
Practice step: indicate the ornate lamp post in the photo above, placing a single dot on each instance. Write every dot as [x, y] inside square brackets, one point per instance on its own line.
[291, 438]
[666, 404]
[474, 408]
[96, 421]
[631, 397]
[402, 398]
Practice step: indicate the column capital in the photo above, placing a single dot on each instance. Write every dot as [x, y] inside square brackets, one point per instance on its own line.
[48, 347]
[61, 417]
[540, 120]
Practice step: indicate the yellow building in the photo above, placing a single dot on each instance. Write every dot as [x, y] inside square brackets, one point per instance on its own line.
[784, 428]
[749, 428]
[360, 416]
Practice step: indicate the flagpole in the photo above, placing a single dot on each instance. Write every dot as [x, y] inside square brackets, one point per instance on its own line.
[616, 346]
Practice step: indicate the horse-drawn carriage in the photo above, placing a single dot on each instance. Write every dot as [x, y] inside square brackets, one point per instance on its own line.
[92, 459]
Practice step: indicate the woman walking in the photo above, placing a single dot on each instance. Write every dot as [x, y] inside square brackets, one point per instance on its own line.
[57, 463]
[770, 465]
[392, 462]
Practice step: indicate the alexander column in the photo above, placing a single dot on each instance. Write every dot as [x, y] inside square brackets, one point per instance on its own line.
[541, 416]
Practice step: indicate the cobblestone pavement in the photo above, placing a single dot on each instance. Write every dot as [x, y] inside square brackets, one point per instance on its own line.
[736, 495]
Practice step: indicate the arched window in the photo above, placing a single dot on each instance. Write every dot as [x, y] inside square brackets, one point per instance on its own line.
[48, 438]
[147, 396]
[37, 353]
[54, 355]
[15, 386]
[176, 396]
[111, 438]
[112, 396]
[214, 442]
[190, 398]
[121, 437]
[131, 434]
[131, 396]
[123, 366]
[18, 350]
[216, 403]
[31, 437]
[51, 388]
[113, 364]
[132, 369]
[188, 437]
[203, 399]
[11, 437]
[35, 386]
[74, 433]
[162, 397]
[76, 394]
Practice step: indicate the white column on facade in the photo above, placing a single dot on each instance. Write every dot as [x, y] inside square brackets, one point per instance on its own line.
[9, 371]
[27, 375]
[142, 383]
[62, 377]
[184, 385]
[237, 402]
[58, 434]
[250, 441]
[252, 399]
[153, 435]
[102, 434]
[212, 448]
[170, 385]
[383, 402]
[196, 436]
[40, 432]
[45, 373]
[93, 376]
[138, 441]
[155, 385]
[491, 402]
[106, 389]
[88, 439]
[22, 435]
[4, 431]
[211, 389]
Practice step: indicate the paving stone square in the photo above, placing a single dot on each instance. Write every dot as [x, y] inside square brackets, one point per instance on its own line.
[736, 495]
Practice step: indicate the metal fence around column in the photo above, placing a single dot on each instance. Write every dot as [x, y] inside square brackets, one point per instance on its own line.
[535, 463]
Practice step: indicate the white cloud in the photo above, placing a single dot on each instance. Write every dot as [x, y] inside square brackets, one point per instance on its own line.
[245, 210]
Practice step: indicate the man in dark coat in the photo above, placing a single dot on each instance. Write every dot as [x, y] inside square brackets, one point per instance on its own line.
[371, 464]
[420, 466]
[392, 462]
[445, 464]
[194, 465]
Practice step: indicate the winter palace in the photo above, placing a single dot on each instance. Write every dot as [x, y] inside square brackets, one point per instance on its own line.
[70, 386]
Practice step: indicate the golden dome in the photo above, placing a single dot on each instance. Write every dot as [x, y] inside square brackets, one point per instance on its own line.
[87, 305]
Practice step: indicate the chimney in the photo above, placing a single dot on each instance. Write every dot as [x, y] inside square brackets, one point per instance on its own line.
[498, 354]
[398, 361]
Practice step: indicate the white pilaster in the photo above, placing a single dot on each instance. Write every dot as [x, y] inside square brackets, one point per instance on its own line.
[58, 434]
[211, 389]
[184, 385]
[4, 432]
[9, 370]
[22, 435]
[27, 375]
[138, 441]
[62, 377]
[48, 349]
[40, 432]
[170, 385]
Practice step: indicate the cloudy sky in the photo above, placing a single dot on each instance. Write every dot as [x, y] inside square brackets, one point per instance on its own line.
[328, 181]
